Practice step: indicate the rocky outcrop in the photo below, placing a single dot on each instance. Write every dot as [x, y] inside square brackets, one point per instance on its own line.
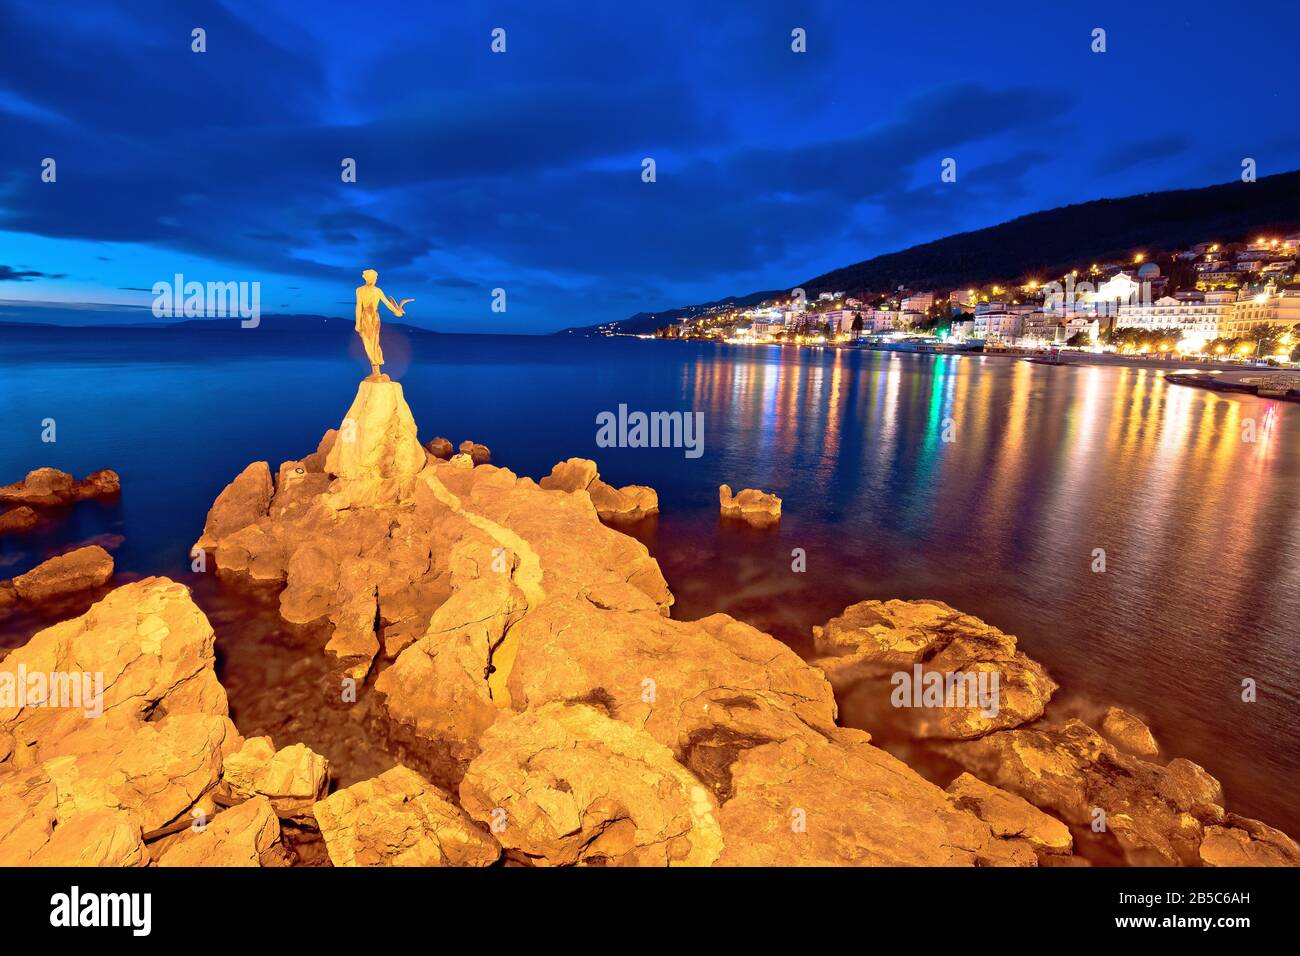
[123, 742]
[49, 487]
[838, 800]
[292, 778]
[1121, 808]
[400, 819]
[1241, 842]
[538, 688]
[565, 784]
[631, 502]
[240, 503]
[18, 520]
[574, 474]
[924, 670]
[1010, 817]
[756, 507]
[245, 835]
[377, 453]
[84, 569]
[1128, 733]
[378, 546]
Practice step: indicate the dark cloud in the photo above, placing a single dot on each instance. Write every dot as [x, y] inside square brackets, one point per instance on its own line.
[1127, 155]
[10, 274]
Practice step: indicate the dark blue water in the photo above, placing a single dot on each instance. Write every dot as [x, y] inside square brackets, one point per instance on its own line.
[1201, 529]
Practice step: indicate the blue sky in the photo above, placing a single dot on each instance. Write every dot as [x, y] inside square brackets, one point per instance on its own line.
[522, 170]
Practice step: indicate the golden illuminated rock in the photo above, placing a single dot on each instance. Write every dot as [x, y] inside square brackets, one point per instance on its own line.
[1128, 733]
[90, 783]
[84, 569]
[1153, 815]
[579, 474]
[565, 784]
[1242, 842]
[1009, 816]
[756, 507]
[292, 778]
[241, 836]
[377, 453]
[240, 503]
[45, 487]
[400, 819]
[863, 649]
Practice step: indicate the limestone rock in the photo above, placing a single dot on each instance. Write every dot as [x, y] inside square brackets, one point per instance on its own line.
[292, 778]
[315, 462]
[1242, 842]
[1128, 733]
[579, 474]
[240, 503]
[1155, 816]
[572, 786]
[77, 791]
[48, 487]
[574, 474]
[81, 570]
[440, 448]
[19, 519]
[42, 486]
[676, 679]
[872, 641]
[378, 451]
[479, 454]
[244, 835]
[631, 502]
[400, 819]
[1009, 816]
[756, 507]
[100, 484]
[837, 800]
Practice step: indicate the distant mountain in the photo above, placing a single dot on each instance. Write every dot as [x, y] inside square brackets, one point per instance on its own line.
[644, 322]
[1046, 244]
[22, 315]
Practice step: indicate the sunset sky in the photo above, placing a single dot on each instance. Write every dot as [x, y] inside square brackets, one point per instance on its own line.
[522, 170]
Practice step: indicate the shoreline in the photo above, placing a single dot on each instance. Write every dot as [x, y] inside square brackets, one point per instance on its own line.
[1068, 358]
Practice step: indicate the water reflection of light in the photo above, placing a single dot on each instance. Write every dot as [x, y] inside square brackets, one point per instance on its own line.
[1000, 495]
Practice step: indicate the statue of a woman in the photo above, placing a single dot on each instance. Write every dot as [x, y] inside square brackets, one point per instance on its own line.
[368, 298]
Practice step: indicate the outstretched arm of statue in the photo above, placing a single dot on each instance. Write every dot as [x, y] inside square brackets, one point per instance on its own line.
[397, 308]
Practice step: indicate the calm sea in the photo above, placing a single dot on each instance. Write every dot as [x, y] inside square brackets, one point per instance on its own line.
[986, 482]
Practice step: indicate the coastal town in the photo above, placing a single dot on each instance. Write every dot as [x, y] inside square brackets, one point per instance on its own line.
[1223, 302]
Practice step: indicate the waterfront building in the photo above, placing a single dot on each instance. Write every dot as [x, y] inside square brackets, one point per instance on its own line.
[840, 320]
[1042, 328]
[879, 320]
[999, 326]
[1199, 321]
[1266, 308]
[961, 329]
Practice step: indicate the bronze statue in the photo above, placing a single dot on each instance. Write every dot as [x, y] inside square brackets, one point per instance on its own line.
[368, 298]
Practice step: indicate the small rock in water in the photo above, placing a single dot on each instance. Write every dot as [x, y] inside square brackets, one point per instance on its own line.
[756, 507]
[80, 570]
